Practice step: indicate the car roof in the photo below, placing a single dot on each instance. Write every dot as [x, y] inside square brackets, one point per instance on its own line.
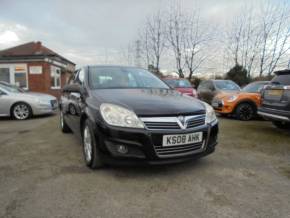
[259, 82]
[172, 78]
[282, 72]
[119, 66]
[221, 80]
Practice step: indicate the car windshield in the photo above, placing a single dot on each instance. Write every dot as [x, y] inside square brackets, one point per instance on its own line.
[123, 78]
[254, 87]
[227, 85]
[178, 83]
[13, 89]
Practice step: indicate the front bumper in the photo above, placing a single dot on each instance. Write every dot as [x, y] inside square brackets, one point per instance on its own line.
[275, 115]
[142, 145]
[223, 107]
[44, 109]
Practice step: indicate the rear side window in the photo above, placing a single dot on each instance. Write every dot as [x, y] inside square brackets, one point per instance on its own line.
[227, 85]
[205, 85]
[179, 83]
[254, 87]
[184, 84]
[282, 80]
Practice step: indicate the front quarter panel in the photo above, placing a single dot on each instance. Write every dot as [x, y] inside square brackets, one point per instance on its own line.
[92, 109]
[229, 107]
[6, 101]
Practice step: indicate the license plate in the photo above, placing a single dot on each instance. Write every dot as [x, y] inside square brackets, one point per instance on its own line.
[275, 92]
[182, 139]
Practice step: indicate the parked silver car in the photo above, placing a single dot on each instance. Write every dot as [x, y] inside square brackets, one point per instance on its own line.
[21, 105]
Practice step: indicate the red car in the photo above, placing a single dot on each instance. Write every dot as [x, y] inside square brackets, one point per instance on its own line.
[181, 85]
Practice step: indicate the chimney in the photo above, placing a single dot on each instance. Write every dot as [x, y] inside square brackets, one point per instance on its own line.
[38, 45]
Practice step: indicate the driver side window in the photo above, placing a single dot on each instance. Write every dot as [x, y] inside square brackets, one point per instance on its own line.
[206, 86]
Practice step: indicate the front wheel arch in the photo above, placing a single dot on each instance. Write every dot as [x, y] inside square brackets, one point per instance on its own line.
[251, 103]
[96, 160]
[20, 102]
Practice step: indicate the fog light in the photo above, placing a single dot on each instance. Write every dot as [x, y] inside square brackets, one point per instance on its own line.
[122, 149]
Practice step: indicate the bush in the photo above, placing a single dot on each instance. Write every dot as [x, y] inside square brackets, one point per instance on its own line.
[263, 78]
[239, 75]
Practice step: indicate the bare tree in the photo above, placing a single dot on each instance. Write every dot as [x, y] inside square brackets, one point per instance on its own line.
[275, 23]
[176, 27]
[243, 40]
[260, 39]
[196, 39]
[152, 38]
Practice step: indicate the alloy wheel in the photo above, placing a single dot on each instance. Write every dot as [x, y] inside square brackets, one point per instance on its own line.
[87, 138]
[21, 111]
[246, 112]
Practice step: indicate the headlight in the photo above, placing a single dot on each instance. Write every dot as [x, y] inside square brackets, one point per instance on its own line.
[210, 114]
[118, 116]
[232, 98]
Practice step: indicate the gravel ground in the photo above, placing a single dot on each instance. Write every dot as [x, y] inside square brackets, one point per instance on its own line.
[42, 174]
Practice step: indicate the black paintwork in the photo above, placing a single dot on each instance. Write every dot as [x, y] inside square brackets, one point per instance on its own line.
[79, 102]
[277, 105]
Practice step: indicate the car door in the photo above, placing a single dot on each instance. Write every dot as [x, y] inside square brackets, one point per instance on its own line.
[205, 92]
[212, 91]
[66, 101]
[201, 89]
[75, 102]
[5, 103]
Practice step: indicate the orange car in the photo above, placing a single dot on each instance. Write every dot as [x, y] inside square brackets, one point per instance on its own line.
[242, 104]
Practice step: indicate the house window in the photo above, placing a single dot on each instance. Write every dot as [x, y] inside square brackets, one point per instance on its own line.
[5, 75]
[55, 75]
[20, 79]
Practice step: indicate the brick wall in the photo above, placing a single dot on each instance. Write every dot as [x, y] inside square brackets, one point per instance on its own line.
[42, 82]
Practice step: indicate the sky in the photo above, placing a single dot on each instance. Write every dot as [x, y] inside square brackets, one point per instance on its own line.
[93, 31]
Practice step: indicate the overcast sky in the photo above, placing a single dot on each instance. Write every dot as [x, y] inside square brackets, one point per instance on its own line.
[94, 31]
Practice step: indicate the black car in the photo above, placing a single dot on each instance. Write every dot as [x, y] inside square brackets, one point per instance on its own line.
[276, 100]
[127, 115]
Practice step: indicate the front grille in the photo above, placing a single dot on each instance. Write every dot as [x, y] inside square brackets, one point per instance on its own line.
[198, 121]
[161, 125]
[53, 103]
[173, 123]
[179, 150]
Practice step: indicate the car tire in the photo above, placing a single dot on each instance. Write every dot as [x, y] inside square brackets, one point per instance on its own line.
[245, 111]
[281, 124]
[21, 111]
[63, 125]
[90, 147]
